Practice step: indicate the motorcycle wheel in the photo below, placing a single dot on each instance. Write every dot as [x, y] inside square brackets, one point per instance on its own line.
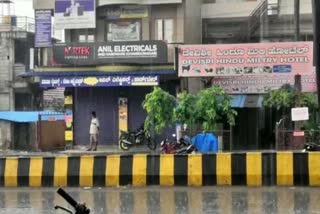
[151, 143]
[123, 145]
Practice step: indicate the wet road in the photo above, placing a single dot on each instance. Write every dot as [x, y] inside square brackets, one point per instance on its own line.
[181, 200]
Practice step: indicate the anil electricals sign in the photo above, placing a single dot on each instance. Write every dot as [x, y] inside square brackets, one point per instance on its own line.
[250, 68]
[144, 52]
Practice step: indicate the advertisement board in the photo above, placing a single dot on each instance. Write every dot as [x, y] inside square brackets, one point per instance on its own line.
[109, 81]
[246, 59]
[75, 14]
[140, 52]
[262, 84]
[124, 12]
[250, 68]
[43, 28]
[123, 114]
[124, 31]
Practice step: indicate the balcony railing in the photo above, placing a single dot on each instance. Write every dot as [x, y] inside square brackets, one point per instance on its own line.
[17, 23]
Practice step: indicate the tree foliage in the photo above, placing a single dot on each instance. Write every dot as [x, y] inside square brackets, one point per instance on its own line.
[207, 108]
[286, 97]
[159, 106]
[185, 110]
[310, 100]
[212, 106]
[280, 98]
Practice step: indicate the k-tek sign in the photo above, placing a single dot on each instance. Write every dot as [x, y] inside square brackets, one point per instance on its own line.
[146, 52]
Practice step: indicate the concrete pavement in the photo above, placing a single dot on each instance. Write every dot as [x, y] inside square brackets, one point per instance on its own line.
[81, 150]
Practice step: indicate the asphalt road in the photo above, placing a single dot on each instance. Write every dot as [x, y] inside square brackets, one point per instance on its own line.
[169, 200]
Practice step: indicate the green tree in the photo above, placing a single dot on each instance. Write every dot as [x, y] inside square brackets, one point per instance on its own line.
[185, 110]
[207, 108]
[213, 105]
[285, 98]
[282, 98]
[159, 106]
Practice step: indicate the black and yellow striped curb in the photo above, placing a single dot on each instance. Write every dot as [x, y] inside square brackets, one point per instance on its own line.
[247, 169]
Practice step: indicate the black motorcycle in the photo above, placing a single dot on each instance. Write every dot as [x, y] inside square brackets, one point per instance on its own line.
[78, 207]
[312, 147]
[139, 137]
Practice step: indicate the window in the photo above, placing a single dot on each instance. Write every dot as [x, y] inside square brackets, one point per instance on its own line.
[124, 31]
[83, 35]
[164, 30]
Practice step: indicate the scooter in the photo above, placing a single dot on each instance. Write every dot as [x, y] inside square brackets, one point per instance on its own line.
[311, 147]
[176, 146]
[139, 137]
[79, 208]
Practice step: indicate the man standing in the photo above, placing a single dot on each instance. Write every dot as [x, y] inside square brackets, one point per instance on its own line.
[94, 132]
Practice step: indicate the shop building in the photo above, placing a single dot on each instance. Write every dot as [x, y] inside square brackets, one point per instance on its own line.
[16, 93]
[112, 60]
[256, 21]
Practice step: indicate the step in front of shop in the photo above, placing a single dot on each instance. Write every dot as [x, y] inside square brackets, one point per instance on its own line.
[220, 169]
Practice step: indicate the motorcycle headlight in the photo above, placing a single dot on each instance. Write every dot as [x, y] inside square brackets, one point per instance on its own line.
[162, 143]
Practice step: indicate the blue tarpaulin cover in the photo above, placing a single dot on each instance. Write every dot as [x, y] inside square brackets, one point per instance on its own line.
[28, 116]
[205, 142]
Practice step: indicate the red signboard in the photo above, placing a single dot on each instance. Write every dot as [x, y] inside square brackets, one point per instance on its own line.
[250, 68]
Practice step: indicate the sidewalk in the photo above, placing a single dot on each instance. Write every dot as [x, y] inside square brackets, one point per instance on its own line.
[82, 150]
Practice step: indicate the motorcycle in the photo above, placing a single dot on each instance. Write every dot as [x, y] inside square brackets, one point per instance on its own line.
[311, 147]
[79, 208]
[176, 146]
[139, 137]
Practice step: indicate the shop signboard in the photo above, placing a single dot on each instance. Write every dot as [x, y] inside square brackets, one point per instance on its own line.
[262, 84]
[250, 68]
[124, 31]
[124, 12]
[75, 14]
[139, 52]
[43, 28]
[109, 81]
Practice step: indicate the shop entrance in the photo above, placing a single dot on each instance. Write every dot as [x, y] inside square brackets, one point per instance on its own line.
[105, 102]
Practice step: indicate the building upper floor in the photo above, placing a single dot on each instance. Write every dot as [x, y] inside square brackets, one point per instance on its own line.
[216, 9]
[174, 21]
[186, 21]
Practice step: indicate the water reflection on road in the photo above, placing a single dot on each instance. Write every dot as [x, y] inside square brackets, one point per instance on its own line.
[167, 200]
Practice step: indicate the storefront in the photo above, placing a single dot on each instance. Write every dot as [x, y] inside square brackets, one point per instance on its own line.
[111, 79]
[248, 72]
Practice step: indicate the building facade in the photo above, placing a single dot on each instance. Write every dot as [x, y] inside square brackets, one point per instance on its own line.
[255, 21]
[16, 57]
[171, 24]
[116, 62]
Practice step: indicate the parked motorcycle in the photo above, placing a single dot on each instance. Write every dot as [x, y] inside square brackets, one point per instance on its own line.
[139, 137]
[311, 147]
[78, 207]
[176, 146]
